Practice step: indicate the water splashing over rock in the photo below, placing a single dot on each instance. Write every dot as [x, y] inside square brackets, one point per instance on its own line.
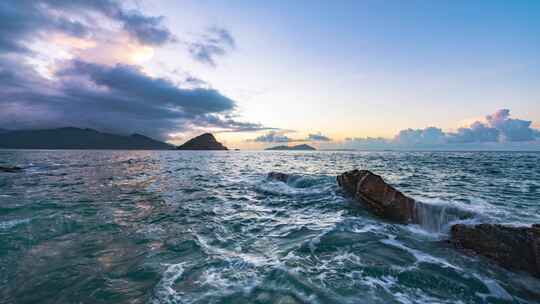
[387, 202]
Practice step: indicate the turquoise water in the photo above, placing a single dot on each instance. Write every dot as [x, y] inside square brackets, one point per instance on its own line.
[207, 227]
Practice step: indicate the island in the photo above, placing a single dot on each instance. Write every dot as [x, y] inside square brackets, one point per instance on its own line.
[302, 147]
[77, 138]
[206, 141]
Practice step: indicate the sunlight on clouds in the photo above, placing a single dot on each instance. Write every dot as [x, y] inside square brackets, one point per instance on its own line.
[71, 42]
[47, 53]
[50, 53]
[121, 51]
[465, 123]
[140, 54]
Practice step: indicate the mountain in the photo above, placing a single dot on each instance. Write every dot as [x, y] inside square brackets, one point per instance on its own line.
[206, 141]
[302, 147]
[76, 138]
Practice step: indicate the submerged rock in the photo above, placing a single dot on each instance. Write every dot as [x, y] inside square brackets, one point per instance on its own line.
[10, 169]
[515, 248]
[278, 176]
[381, 198]
[206, 141]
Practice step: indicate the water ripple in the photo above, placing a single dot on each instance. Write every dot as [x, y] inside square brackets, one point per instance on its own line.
[208, 227]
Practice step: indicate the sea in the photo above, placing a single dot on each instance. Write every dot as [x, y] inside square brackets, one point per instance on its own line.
[84, 226]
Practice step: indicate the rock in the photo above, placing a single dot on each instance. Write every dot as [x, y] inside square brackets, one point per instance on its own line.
[515, 248]
[206, 141]
[10, 169]
[278, 176]
[381, 198]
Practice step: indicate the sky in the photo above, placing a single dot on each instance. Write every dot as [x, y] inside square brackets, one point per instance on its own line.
[334, 74]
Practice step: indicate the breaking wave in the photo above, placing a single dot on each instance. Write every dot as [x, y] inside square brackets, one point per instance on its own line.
[174, 227]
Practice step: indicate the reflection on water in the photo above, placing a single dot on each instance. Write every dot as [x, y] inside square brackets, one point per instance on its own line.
[208, 227]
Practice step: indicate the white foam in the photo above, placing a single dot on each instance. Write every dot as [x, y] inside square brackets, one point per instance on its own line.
[420, 256]
[367, 228]
[385, 282]
[165, 293]
[12, 223]
[252, 259]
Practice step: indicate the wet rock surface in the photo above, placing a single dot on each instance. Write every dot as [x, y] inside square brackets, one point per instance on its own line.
[378, 196]
[515, 248]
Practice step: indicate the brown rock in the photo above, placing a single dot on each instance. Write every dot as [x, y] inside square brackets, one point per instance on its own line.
[380, 197]
[515, 248]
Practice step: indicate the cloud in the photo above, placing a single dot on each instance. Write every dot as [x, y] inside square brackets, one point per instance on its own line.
[318, 137]
[497, 129]
[511, 129]
[272, 137]
[23, 22]
[227, 123]
[215, 43]
[129, 82]
[427, 136]
[476, 133]
[147, 30]
[278, 136]
[119, 98]
[94, 85]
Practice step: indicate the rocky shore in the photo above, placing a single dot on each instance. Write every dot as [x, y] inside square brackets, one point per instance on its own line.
[514, 248]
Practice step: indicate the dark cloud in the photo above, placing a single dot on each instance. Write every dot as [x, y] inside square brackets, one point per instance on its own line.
[22, 21]
[116, 98]
[147, 30]
[17, 20]
[129, 82]
[229, 124]
[215, 43]
[195, 81]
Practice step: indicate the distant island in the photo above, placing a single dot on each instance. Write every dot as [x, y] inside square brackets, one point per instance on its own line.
[76, 138]
[302, 147]
[206, 141]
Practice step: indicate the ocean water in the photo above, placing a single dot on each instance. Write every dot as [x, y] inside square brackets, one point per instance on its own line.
[208, 227]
